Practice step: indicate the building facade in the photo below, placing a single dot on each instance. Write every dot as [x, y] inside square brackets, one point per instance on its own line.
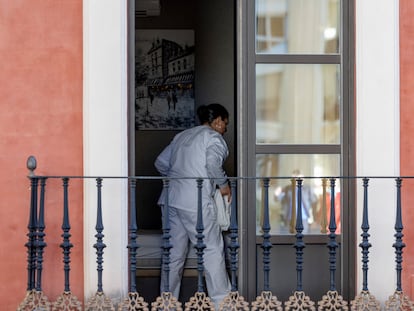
[66, 89]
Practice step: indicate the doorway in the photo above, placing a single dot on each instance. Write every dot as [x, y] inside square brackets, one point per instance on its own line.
[191, 54]
[240, 61]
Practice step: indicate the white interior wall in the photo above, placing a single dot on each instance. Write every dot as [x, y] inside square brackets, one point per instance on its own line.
[105, 141]
[377, 104]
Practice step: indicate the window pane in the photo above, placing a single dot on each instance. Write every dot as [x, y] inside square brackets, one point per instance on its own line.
[315, 201]
[297, 104]
[297, 26]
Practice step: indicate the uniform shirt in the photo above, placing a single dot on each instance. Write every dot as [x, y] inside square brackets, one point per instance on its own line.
[196, 152]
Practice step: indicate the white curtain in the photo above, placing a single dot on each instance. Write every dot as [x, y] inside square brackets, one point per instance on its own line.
[302, 100]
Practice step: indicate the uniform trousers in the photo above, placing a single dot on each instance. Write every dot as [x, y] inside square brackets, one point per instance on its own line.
[182, 229]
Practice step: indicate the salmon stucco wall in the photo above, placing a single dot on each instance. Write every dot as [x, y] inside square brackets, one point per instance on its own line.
[407, 138]
[41, 115]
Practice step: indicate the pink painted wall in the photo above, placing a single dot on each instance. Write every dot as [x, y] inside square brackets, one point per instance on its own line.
[407, 137]
[41, 115]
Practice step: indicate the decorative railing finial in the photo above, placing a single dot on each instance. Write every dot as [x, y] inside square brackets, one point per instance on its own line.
[31, 165]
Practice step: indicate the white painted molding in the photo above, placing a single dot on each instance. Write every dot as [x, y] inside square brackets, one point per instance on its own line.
[377, 103]
[105, 141]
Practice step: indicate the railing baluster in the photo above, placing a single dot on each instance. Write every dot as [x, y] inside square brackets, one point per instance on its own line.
[398, 301]
[99, 245]
[233, 301]
[66, 245]
[66, 301]
[365, 299]
[133, 235]
[332, 300]
[299, 245]
[266, 301]
[365, 245]
[166, 245]
[166, 301]
[266, 245]
[31, 245]
[32, 224]
[40, 235]
[233, 229]
[299, 298]
[200, 299]
[332, 244]
[35, 299]
[99, 301]
[134, 301]
[398, 245]
[200, 246]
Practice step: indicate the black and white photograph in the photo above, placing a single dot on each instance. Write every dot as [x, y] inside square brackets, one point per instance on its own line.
[164, 90]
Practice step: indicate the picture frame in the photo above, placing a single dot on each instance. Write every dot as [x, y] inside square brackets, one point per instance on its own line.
[164, 81]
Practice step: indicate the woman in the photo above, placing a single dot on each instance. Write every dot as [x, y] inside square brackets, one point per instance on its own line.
[197, 152]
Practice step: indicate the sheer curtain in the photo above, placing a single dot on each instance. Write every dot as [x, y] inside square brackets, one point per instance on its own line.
[301, 107]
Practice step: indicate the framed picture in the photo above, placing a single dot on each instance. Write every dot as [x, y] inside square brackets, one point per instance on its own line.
[164, 82]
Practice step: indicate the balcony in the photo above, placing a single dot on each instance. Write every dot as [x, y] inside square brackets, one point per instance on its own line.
[150, 252]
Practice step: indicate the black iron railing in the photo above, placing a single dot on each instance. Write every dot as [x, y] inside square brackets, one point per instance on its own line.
[266, 300]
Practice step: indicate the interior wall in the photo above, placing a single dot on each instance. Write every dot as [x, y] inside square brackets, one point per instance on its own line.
[213, 24]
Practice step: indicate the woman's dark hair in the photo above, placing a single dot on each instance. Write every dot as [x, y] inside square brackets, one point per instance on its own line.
[207, 113]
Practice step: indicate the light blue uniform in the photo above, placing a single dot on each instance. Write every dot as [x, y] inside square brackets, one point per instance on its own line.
[196, 152]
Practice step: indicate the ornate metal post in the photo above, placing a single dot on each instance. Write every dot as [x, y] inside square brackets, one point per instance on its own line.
[300, 244]
[133, 301]
[35, 299]
[398, 301]
[233, 301]
[166, 245]
[100, 301]
[166, 301]
[40, 235]
[365, 245]
[233, 229]
[32, 242]
[332, 300]
[66, 244]
[99, 245]
[299, 297]
[200, 246]
[365, 301]
[332, 244]
[266, 245]
[200, 298]
[133, 235]
[66, 300]
[266, 301]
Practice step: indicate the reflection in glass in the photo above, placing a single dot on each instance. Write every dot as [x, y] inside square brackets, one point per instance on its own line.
[297, 26]
[283, 170]
[297, 104]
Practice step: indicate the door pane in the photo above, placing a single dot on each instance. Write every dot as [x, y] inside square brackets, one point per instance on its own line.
[297, 26]
[315, 201]
[297, 104]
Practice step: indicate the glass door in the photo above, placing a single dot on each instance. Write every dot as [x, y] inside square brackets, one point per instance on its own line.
[299, 122]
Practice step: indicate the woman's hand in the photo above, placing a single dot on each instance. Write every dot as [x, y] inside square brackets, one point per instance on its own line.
[226, 191]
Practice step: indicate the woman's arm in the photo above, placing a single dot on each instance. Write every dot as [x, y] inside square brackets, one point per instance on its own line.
[162, 163]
